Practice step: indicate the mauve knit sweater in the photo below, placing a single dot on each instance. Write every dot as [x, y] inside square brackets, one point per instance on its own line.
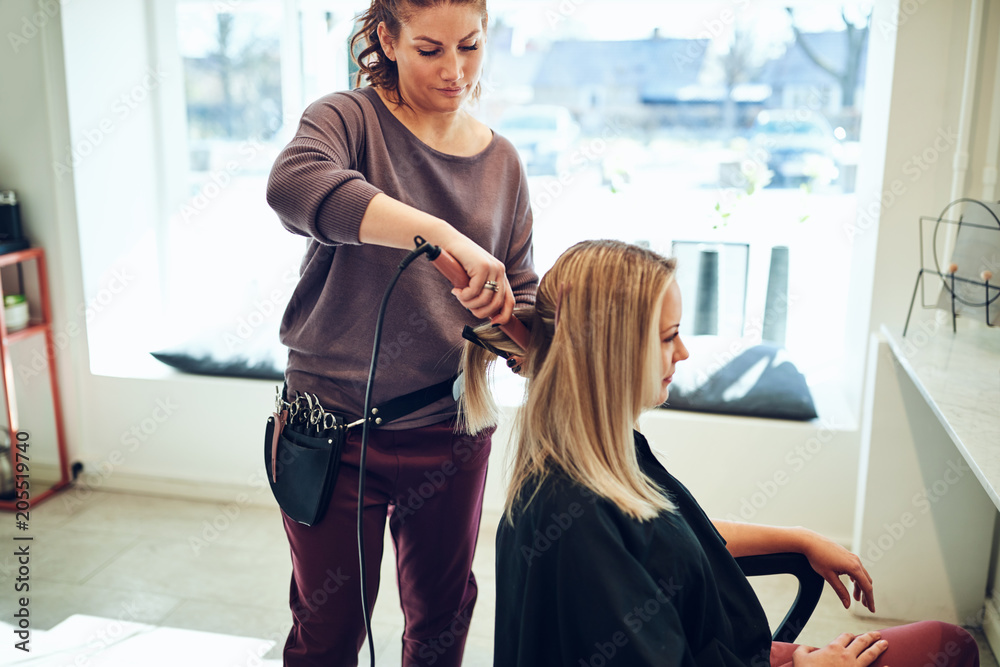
[348, 148]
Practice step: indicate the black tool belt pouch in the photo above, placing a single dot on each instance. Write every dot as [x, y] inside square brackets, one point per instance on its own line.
[302, 469]
[302, 457]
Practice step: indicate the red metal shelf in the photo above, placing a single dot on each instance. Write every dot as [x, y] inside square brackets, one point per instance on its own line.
[36, 327]
[27, 332]
[11, 258]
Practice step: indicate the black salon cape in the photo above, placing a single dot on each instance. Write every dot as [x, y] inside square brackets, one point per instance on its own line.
[581, 584]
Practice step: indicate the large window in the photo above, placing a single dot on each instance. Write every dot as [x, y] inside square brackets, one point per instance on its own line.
[723, 132]
[248, 68]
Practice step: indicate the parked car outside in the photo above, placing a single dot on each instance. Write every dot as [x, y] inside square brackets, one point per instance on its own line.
[543, 134]
[798, 145]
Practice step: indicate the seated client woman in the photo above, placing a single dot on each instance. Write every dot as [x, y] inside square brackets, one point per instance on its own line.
[603, 557]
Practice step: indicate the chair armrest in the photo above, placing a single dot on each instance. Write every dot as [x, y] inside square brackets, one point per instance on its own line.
[810, 588]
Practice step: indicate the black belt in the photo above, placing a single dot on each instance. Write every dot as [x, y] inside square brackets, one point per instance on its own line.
[383, 414]
[408, 403]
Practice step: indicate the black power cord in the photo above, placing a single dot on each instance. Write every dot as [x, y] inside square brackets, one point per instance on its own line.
[422, 248]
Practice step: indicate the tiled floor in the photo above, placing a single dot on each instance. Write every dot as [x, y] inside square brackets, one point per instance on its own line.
[224, 569]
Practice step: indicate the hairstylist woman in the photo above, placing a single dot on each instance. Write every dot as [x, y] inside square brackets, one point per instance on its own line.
[603, 557]
[367, 171]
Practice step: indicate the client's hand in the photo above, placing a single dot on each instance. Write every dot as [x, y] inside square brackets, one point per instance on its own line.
[831, 561]
[845, 650]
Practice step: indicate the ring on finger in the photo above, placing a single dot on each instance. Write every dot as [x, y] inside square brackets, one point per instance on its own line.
[491, 285]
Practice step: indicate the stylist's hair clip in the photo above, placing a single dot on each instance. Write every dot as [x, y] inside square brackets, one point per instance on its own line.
[469, 334]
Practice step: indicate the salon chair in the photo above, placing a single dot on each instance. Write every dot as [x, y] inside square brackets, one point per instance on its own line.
[810, 588]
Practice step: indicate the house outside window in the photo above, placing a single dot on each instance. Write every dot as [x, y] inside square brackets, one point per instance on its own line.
[674, 125]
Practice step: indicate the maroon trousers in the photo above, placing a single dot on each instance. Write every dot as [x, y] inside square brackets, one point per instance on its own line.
[429, 483]
[924, 644]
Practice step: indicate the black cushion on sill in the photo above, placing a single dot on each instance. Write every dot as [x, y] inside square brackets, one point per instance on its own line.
[260, 357]
[722, 376]
[737, 379]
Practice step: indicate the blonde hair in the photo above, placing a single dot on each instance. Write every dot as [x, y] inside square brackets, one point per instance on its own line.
[589, 378]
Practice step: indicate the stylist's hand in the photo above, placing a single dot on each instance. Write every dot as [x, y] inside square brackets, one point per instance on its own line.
[831, 561]
[481, 267]
[846, 650]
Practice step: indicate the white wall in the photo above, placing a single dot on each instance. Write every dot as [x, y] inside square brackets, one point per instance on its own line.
[987, 92]
[743, 468]
[182, 435]
[920, 150]
[202, 436]
[32, 127]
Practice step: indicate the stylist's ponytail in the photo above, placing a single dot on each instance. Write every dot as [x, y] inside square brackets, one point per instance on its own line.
[372, 62]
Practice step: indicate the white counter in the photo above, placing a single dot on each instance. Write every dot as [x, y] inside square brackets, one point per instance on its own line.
[958, 374]
[930, 468]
